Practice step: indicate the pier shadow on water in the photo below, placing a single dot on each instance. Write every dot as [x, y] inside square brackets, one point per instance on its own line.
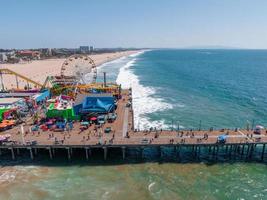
[133, 156]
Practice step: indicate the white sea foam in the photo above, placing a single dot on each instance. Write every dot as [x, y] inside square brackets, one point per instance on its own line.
[7, 176]
[143, 102]
[151, 185]
[111, 62]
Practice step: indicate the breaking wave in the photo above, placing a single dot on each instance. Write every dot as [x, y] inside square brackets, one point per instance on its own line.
[143, 100]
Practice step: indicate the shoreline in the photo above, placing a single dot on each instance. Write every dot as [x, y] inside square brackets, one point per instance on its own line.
[38, 70]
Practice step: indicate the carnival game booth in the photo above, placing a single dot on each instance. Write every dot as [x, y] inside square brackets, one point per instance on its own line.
[36, 96]
[62, 109]
[41, 96]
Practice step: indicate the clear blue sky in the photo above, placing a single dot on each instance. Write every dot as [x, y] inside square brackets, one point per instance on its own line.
[133, 23]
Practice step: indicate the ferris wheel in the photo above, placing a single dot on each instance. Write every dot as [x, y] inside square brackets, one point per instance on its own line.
[82, 67]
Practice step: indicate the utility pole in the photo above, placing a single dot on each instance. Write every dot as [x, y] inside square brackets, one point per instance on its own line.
[105, 81]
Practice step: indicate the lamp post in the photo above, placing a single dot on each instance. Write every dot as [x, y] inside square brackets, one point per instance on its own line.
[22, 134]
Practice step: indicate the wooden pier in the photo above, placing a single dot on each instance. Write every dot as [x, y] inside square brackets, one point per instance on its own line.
[241, 144]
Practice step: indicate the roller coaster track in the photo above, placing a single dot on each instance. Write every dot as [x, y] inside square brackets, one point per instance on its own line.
[10, 72]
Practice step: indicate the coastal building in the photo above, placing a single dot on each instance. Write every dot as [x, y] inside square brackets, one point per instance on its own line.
[11, 102]
[37, 97]
[3, 57]
[29, 54]
[46, 52]
[84, 49]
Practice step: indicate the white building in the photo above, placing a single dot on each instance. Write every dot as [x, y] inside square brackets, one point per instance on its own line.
[84, 49]
[3, 57]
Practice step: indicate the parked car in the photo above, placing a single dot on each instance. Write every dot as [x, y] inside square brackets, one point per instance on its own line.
[112, 117]
[101, 119]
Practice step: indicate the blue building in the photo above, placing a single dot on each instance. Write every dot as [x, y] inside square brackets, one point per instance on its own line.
[94, 103]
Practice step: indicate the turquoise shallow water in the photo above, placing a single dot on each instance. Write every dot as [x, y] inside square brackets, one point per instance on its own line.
[222, 88]
[135, 181]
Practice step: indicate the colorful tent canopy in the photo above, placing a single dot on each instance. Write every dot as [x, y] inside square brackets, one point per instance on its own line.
[98, 104]
[60, 113]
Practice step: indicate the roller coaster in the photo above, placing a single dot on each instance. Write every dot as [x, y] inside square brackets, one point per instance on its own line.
[73, 90]
[70, 81]
[4, 71]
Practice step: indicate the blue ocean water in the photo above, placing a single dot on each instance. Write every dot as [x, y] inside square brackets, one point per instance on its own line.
[223, 88]
[220, 88]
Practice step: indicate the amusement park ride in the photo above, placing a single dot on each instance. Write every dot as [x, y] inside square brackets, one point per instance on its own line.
[77, 75]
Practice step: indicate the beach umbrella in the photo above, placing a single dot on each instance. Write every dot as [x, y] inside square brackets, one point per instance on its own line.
[93, 118]
[259, 127]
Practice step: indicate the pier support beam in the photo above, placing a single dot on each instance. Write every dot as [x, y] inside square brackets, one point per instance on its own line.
[69, 154]
[209, 149]
[35, 151]
[90, 151]
[248, 150]
[86, 153]
[12, 153]
[175, 150]
[230, 151]
[105, 152]
[262, 153]
[71, 151]
[159, 151]
[50, 153]
[0, 152]
[242, 151]
[18, 151]
[251, 151]
[123, 152]
[226, 150]
[178, 153]
[31, 153]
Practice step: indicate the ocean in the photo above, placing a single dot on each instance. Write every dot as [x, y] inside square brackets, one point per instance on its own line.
[188, 89]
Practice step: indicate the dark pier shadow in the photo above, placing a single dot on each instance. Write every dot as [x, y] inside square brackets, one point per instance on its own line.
[134, 156]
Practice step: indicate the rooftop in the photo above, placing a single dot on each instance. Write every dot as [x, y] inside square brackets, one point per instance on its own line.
[9, 101]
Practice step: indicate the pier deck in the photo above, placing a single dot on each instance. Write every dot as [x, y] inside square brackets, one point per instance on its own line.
[123, 135]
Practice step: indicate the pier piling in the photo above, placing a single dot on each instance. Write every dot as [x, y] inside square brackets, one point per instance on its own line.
[105, 152]
[69, 154]
[262, 154]
[86, 153]
[123, 152]
[242, 152]
[50, 153]
[31, 153]
[12, 153]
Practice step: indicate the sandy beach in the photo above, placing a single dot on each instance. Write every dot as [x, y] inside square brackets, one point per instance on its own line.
[38, 70]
